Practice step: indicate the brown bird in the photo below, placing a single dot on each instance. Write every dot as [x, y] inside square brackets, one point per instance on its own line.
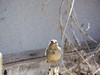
[53, 52]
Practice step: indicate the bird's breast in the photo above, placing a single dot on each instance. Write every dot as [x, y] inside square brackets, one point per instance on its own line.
[54, 56]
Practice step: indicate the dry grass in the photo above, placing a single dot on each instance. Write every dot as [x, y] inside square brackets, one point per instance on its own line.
[77, 61]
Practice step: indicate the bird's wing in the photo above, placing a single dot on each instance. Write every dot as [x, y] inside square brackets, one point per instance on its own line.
[60, 49]
[45, 52]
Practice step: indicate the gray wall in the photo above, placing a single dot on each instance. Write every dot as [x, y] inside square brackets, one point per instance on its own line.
[31, 24]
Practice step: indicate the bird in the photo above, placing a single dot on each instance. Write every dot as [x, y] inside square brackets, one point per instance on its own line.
[53, 52]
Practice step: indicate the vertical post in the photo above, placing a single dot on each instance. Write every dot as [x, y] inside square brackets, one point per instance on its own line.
[0, 64]
[54, 70]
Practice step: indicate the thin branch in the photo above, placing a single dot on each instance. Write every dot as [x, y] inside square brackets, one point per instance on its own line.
[88, 27]
[79, 27]
[84, 60]
[76, 39]
[60, 16]
[72, 5]
[96, 71]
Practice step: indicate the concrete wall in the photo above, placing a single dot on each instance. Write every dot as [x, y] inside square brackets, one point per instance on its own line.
[31, 24]
[23, 25]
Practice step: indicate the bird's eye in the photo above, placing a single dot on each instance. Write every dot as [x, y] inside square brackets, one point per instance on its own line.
[51, 41]
[55, 42]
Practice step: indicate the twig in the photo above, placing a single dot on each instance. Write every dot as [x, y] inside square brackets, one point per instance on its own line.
[72, 5]
[60, 17]
[96, 71]
[88, 27]
[76, 39]
[74, 18]
[90, 67]
[81, 30]
[79, 27]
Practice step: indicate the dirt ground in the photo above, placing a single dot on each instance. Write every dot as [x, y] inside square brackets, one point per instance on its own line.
[74, 63]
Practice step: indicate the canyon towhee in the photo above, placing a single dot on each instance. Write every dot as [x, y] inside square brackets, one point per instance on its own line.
[53, 52]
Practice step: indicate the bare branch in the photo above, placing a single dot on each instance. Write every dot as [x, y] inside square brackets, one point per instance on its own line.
[71, 9]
